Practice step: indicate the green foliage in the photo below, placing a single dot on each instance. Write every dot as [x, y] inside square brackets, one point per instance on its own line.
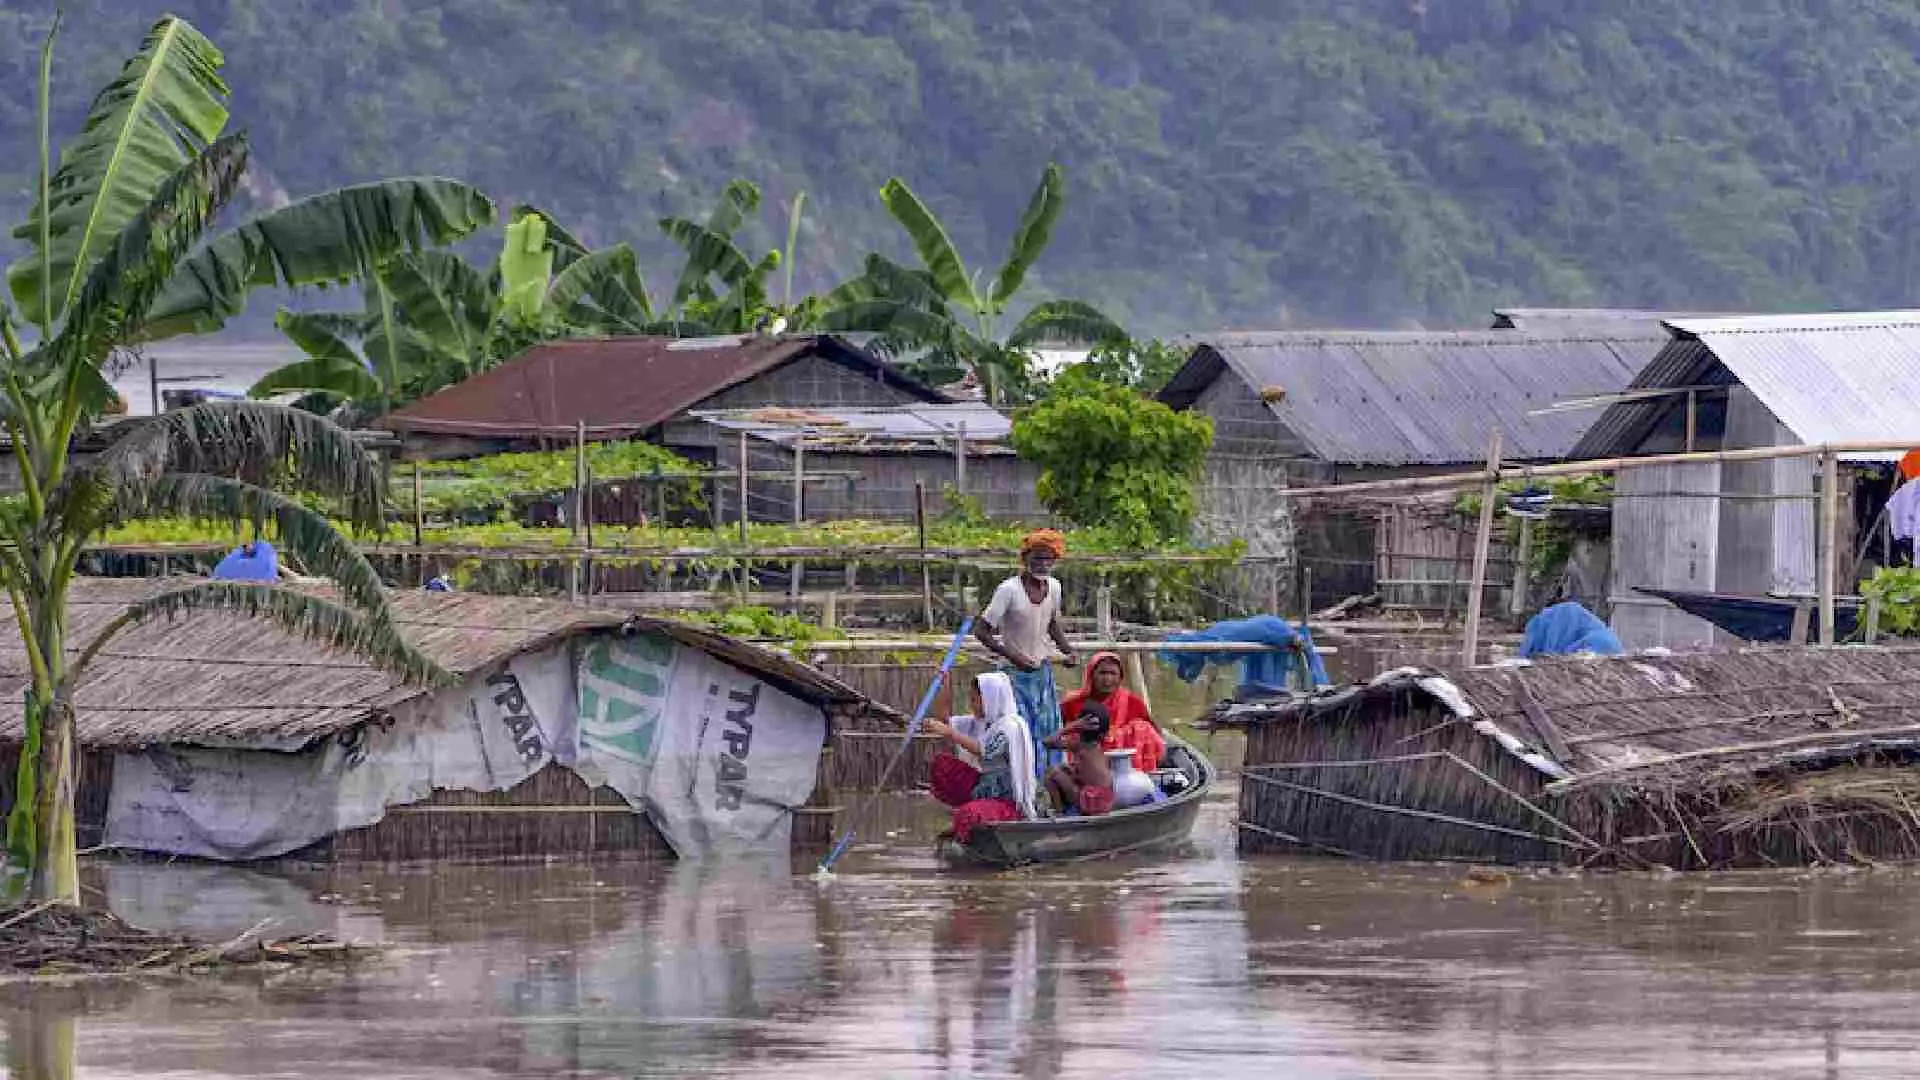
[1897, 588]
[1112, 458]
[1308, 162]
[498, 482]
[756, 623]
[944, 312]
[120, 251]
[1143, 365]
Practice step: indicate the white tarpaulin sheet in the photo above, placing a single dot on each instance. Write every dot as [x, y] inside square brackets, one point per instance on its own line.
[495, 731]
[718, 758]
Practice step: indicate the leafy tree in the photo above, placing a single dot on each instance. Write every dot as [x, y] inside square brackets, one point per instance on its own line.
[119, 252]
[944, 310]
[1143, 365]
[1114, 459]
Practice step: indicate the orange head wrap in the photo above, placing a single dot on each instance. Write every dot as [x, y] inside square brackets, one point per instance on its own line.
[1047, 540]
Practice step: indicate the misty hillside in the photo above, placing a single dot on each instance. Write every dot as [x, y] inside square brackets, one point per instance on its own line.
[1243, 162]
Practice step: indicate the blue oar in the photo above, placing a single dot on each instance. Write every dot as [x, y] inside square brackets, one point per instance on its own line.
[913, 729]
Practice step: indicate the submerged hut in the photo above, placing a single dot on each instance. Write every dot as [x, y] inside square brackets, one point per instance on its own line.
[568, 731]
[1763, 757]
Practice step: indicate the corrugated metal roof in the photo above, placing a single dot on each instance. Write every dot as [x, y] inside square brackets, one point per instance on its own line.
[1417, 398]
[897, 424]
[1831, 377]
[620, 387]
[1561, 320]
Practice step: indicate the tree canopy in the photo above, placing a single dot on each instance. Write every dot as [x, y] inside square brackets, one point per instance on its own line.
[1287, 161]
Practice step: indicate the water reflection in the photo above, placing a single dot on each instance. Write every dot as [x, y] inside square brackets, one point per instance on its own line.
[1200, 964]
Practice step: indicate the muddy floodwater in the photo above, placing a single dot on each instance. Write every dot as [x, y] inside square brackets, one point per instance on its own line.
[1199, 965]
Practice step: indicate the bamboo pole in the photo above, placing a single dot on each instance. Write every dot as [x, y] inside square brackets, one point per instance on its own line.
[419, 510]
[799, 481]
[960, 459]
[1591, 465]
[1483, 540]
[1693, 420]
[1522, 571]
[1829, 541]
[743, 486]
[926, 569]
[579, 504]
[1124, 648]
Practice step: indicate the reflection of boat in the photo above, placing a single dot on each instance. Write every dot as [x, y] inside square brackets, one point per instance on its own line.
[1018, 843]
[1757, 618]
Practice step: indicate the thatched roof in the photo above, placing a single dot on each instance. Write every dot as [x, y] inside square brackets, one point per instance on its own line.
[224, 679]
[1659, 721]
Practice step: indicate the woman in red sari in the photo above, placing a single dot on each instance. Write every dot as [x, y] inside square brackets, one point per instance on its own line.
[1132, 729]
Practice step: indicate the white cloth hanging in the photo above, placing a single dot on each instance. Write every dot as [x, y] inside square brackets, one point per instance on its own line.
[1903, 511]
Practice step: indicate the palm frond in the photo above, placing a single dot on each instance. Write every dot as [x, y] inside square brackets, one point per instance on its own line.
[337, 377]
[309, 617]
[1036, 228]
[1065, 322]
[262, 443]
[930, 240]
[331, 237]
[301, 532]
[603, 290]
[167, 104]
[133, 268]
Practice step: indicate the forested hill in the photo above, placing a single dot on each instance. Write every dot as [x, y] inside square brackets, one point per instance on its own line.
[1243, 162]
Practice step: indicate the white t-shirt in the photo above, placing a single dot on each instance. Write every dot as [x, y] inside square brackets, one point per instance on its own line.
[1023, 624]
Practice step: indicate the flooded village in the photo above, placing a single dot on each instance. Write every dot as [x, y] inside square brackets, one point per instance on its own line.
[500, 666]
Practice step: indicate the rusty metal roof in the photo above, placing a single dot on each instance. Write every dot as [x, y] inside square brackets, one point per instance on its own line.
[620, 387]
[1829, 377]
[1422, 398]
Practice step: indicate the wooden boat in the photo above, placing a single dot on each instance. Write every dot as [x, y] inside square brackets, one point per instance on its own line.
[1064, 839]
[1756, 618]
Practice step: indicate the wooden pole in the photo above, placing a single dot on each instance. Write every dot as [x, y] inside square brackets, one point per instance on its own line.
[1103, 610]
[1450, 605]
[799, 480]
[1829, 540]
[1593, 465]
[743, 486]
[1522, 571]
[1483, 540]
[1136, 678]
[1693, 419]
[659, 498]
[960, 459]
[926, 570]
[579, 504]
[419, 509]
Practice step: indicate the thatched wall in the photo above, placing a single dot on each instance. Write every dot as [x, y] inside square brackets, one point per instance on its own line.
[862, 747]
[551, 812]
[1388, 773]
[1764, 757]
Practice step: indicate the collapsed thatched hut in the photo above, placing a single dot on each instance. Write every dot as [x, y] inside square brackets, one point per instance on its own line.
[1782, 756]
[570, 730]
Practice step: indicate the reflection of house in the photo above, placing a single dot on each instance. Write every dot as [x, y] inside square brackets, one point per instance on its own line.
[569, 730]
[1311, 407]
[1747, 528]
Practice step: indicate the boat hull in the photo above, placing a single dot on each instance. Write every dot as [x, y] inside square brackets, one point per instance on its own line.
[1022, 843]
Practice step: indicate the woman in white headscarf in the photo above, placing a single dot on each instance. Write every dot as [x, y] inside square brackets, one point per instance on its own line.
[1002, 788]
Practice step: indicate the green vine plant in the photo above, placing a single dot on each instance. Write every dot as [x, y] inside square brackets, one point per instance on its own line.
[1897, 590]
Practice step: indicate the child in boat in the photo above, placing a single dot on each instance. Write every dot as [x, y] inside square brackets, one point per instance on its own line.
[1085, 782]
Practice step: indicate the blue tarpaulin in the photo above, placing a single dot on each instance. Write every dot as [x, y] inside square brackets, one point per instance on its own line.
[249, 562]
[1261, 673]
[1568, 628]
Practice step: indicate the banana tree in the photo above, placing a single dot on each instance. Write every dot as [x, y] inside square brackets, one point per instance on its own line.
[121, 250]
[723, 290]
[430, 319]
[944, 311]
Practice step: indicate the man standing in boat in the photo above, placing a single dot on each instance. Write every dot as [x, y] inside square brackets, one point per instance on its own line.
[1022, 626]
